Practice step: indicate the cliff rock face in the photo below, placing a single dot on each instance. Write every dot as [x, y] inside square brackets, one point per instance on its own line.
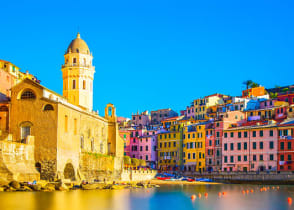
[17, 161]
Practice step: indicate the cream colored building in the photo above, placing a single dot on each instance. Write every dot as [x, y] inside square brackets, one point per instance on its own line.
[71, 141]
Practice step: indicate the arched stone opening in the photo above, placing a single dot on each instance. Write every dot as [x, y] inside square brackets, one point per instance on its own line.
[69, 172]
[38, 167]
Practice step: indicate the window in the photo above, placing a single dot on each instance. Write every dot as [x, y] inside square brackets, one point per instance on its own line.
[74, 60]
[261, 133]
[217, 134]
[225, 135]
[254, 145]
[75, 126]
[245, 157]
[261, 145]
[28, 95]
[254, 157]
[146, 157]
[25, 131]
[92, 145]
[146, 148]
[189, 155]
[260, 157]
[289, 157]
[239, 146]
[271, 157]
[239, 158]
[271, 146]
[174, 144]
[232, 134]
[282, 145]
[271, 133]
[232, 146]
[65, 123]
[48, 107]
[239, 134]
[225, 147]
[289, 145]
[282, 157]
[82, 142]
[245, 145]
[245, 134]
[84, 84]
[254, 134]
[225, 159]
[74, 84]
[194, 156]
[232, 159]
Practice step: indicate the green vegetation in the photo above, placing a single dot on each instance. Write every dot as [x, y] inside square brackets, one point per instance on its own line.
[98, 155]
[127, 160]
[142, 162]
[273, 95]
[135, 162]
[250, 84]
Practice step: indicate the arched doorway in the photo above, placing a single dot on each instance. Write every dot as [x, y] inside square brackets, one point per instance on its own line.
[38, 167]
[69, 172]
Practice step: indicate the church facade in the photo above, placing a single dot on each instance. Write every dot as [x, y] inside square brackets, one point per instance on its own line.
[71, 140]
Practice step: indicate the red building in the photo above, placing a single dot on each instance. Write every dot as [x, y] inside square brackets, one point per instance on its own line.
[286, 146]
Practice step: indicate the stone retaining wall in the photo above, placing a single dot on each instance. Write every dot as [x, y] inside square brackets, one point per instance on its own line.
[100, 167]
[138, 175]
[17, 160]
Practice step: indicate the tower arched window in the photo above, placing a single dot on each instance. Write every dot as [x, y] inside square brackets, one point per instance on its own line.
[28, 95]
[82, 142]
[77, 50]
[74, 84]
[84, 61]
[74, 60]
[92, 145]
[84, 84]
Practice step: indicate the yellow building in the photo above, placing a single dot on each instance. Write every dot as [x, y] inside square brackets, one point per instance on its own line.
[194, 147]
[201, 105]
[71, 141]
[170, 148]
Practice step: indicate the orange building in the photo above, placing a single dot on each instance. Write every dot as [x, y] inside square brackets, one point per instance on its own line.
[253, 92]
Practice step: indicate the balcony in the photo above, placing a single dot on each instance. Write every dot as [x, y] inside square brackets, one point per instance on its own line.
[76, 65]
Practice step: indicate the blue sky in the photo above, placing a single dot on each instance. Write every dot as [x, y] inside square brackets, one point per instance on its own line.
[154, 54]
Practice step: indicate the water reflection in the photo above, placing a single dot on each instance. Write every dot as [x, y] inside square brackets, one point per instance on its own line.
[168, 197]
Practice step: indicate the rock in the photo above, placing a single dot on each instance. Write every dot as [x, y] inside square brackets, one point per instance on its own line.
[43, 183]
[89, 186]
[3, 182]
[108, 187]
[36, 187]
[118, 187]
[61, 186]
[27, 188]
[14, 184]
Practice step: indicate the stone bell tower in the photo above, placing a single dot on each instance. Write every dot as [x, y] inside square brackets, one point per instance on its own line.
[78, 74]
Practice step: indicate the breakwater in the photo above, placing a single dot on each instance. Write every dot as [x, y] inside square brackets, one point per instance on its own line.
[248, 178]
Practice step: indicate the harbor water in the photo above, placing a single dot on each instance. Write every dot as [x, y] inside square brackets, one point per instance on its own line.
[166, 197]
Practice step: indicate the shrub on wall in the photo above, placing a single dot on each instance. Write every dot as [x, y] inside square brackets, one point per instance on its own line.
[142, 162]
[135, 162]
[127, 160]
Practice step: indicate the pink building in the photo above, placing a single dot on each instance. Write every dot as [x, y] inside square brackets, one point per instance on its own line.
[214, 138]
[250, 148]
[143, 145]
[143, 119]
[190, 112]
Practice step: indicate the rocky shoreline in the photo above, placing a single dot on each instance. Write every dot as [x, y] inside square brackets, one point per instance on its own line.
[43, 186]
